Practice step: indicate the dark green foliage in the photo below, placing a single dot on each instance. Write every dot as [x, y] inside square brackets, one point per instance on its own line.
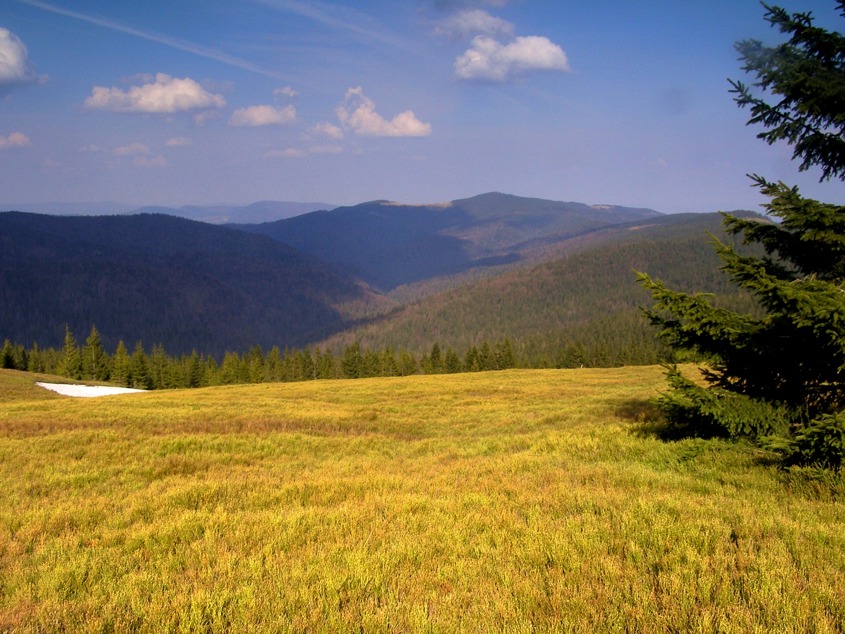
[699, 412]
[13, 356]
[780, 372]
[820, 443]
[807, 75]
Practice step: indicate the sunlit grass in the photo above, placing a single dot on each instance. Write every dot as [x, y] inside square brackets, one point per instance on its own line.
[516, 501]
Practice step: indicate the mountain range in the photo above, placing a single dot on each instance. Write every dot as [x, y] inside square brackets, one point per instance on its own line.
[387, 244]
[388, 274]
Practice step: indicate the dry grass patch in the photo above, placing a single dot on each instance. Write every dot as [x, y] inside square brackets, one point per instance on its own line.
[510, 501]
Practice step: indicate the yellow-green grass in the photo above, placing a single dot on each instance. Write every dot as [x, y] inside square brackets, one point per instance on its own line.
[518, 501]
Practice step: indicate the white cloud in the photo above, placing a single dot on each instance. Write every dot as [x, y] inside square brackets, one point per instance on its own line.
[490, 60]
[470, 22]
[133, 149]
[255, 116]
[328, 130]
[287, 91]
[15, 68]
[357, 113]
[178, 141]
[15, 139]
[165, 95]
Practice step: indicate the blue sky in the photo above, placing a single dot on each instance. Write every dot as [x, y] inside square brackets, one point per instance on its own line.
[234, 101]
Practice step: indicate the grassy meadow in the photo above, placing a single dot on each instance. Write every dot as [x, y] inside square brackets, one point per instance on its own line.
[516, 501]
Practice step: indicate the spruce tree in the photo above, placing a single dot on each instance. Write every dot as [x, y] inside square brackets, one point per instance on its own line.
[780, 374]
[71, 362]
[7, 359]
[120, 364]
[95, 361]
[139, 369]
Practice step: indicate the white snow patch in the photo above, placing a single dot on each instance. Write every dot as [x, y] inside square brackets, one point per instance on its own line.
[86, 391]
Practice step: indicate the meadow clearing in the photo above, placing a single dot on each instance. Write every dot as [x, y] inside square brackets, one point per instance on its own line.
[515, 501]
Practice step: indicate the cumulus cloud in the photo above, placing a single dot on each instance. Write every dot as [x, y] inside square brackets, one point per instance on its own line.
[15, 68]
[326, 129]
[15, 139]
[470, 22]
[163, 95]
[255, 116]
[490, 60]
[358, 113]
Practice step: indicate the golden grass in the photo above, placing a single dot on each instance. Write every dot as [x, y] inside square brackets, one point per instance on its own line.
[518, 501]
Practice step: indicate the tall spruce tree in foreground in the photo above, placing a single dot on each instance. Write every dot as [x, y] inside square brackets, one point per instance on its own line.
[778, 378]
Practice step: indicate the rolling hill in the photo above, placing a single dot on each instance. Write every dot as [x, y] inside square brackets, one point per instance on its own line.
[580, 293]
[165, 280]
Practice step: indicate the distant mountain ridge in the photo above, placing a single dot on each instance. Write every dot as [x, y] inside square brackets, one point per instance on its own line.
[389, 244]
[262, 211]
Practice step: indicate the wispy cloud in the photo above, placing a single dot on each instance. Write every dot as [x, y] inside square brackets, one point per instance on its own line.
[178, 141]
[470, 22]
[179, 44]
[339, 18]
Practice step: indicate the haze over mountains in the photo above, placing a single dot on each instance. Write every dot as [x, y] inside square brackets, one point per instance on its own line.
[480, 268]
[262, 211]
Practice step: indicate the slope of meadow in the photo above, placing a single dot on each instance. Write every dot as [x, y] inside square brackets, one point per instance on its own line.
[519, 501]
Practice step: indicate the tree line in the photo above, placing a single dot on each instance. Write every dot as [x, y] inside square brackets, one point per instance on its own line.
[157, 369]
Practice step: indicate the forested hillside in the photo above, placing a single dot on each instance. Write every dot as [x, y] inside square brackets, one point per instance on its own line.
[561, 288]
[184, 284]
[583, 305]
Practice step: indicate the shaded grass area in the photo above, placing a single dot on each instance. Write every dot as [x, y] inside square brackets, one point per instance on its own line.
[516, 501]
